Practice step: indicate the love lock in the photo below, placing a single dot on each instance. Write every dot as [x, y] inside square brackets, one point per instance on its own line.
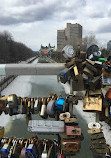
[60, 104]
[51, 108]
[6, 148]
[43, 112]
[31, 151]
[64, 116]
[73, 130]
[36, 107]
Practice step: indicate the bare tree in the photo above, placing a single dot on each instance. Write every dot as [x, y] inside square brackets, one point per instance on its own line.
[88, 40]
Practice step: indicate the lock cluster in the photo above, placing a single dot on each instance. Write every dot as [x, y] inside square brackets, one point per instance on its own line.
[28, 148]
[51, 106]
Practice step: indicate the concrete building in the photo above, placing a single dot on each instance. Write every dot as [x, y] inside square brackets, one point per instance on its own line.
[72, 34]
[109, 45]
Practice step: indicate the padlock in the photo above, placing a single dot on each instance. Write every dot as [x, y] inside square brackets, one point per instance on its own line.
[101, 140]
[13, 106]
[39, 103]
[60, 104]
[95, 83]
[110, 110]
[19, 100]
[92, 68]
[88, 72]
[70, 145]
[98, 146]
[36, 107]
[23, 151]
[70, 120]
[44, 153]
[23, 103]
[94, 131]
[14, 141]
[94, 125]
[97, 136]
[3, 103]
[29, 106]
[73, 130]
[92, 104]
[5, 149]
[43, 112]
[12, 100]
[16, 149]
[64, 75]
[32, 105]
[64, 116]
[51, 108]
[61, 155]
[31, 151]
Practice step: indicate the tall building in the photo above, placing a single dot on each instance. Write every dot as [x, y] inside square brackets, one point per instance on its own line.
[72, 34]
[109, 45]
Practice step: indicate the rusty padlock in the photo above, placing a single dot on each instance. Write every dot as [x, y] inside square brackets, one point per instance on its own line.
[70, 145]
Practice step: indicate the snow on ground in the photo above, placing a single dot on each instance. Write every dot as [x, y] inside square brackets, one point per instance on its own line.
[20, 86]
[90, 117]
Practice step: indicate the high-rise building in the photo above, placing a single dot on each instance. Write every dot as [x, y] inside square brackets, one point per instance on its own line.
[109, 45]
[72, 34]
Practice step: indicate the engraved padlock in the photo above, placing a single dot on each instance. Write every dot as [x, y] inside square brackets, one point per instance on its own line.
[43, 112]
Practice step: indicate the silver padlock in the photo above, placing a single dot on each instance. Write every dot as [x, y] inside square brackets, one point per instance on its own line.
[36, 107]
[50, 108]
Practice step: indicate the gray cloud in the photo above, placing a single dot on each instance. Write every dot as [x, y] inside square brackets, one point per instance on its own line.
[105, 28]
[99, 14]
[31, 11]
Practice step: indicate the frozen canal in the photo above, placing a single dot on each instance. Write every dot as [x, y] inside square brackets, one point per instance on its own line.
[39, 86]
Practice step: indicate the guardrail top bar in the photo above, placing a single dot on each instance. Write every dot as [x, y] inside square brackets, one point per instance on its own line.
[31, 69]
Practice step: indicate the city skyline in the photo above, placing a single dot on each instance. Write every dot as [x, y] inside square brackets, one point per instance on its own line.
[36, 22]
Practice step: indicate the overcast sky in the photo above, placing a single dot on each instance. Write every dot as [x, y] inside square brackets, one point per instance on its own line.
[35, 22]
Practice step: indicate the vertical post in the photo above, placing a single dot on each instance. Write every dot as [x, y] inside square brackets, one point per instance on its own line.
[97, 116]
[71, 93]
